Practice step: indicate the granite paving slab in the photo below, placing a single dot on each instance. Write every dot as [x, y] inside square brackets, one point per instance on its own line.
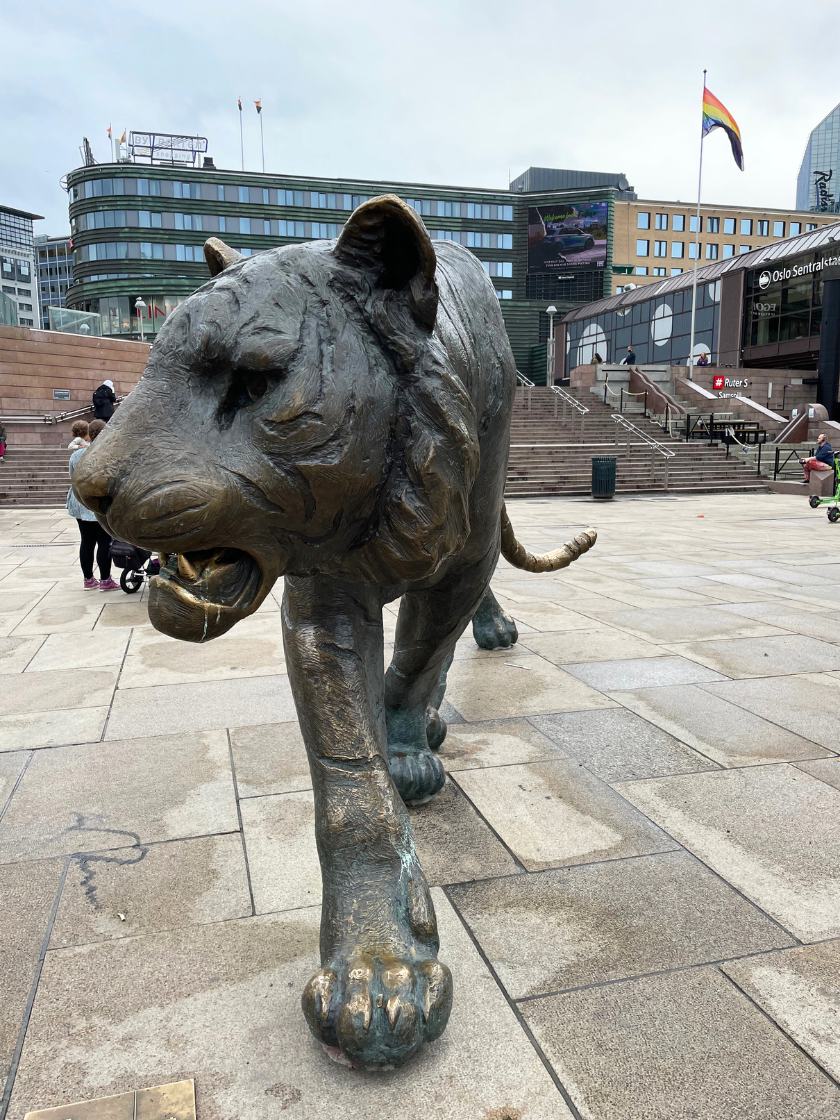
[826, 769]
[716, 728]
[688, 623]
[222, 1001]
[677, 1047]
[100, 648]
[123, 612]
[16, 653]
[495, 743]
[770, 831]
[51, 729]
[618, 745]
[577, 926]
[252, 649]
[486, 689]
[63, 611]
[597, 644]
[206, 705]
[148, 888]
[807, 704]
[111, 795]
[11, 767]
[641, 672]
[21, 599]
[453, 843]
[543, 615]
[270, 758]
[57, 689]
[556, 813]
[811, 624]
[27, 894]
[800, 989]
[763, 657]
[279, 833]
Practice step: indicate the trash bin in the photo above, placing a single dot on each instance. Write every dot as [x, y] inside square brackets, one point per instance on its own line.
[603, 476]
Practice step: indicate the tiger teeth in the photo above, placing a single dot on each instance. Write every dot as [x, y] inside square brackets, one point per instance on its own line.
[185, 568]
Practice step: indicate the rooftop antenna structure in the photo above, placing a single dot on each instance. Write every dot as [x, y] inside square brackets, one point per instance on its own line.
[86, 153]
[165, 149]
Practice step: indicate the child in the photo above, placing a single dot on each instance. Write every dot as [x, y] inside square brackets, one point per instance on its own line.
[2, 441]
[80, 436]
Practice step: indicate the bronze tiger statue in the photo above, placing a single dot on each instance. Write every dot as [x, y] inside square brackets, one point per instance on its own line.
[336, 413]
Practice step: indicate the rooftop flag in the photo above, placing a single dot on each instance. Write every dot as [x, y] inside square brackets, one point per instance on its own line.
[716, 115]
[239, 103]
[258, 105]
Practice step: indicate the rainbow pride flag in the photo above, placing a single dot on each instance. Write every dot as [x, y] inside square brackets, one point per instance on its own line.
[716, 115]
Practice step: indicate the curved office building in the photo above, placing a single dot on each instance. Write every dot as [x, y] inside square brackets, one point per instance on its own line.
[817, 186]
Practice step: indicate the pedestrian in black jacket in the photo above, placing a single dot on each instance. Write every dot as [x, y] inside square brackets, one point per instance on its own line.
[104, 399]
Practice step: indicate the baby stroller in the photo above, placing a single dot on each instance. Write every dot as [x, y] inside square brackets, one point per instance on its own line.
[135, 564]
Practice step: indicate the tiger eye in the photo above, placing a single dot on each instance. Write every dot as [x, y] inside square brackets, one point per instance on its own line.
[256, 385]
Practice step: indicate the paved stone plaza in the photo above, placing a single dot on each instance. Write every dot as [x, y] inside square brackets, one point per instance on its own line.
[636, 860]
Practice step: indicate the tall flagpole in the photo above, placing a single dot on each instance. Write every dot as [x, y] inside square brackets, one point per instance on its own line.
[696, 244]
[241, 137]
[262, 139]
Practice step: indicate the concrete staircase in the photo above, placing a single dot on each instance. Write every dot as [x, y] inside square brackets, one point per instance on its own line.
[552, 448]
[34, 476]
[549, 455]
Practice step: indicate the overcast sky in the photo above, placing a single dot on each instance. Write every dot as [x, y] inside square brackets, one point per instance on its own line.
[442, 91]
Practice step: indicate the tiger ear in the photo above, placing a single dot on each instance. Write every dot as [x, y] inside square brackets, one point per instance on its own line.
[219, 256]
[385, 238]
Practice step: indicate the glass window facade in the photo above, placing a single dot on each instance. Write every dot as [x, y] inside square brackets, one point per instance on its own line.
[816, 184]
[712, 225]
[643, 220]
[729, 227]
[661, 221]
[786, 309]
[642, 247]
[209, 190]
[678, 223]
[677, 248]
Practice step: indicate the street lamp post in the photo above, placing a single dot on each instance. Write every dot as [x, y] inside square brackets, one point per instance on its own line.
[551, 311]
[140, 308]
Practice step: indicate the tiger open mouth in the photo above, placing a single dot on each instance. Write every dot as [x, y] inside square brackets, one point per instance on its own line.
[201, 594]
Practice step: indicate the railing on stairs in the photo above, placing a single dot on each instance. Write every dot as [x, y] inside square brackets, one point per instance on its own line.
[560, 397]
[655, 446]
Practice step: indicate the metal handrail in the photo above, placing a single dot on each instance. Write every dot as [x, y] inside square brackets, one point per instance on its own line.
[666, 452]
[52, 417]
[523, 380]
[567, 398]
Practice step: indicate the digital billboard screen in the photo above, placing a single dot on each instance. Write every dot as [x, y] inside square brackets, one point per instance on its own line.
[567, 237]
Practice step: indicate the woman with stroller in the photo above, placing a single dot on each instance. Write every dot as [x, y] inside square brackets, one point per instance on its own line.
[94, 537]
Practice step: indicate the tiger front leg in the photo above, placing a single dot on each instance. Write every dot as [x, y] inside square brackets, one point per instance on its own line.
[380, 992]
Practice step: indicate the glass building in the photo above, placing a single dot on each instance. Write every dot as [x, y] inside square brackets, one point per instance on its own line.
[817, 186]
[138, 232]
[762, 309]
[55, 273]
[18, 268]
